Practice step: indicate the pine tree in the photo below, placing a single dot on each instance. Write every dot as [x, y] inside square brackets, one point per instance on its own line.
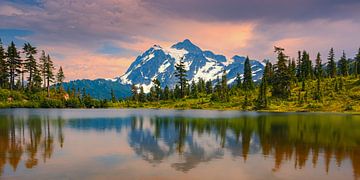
[281, 81]
[209, 87]
[14, 63]
[201, 85]
[177, 92]
[224, 88]
[344, 65]
[248, 83]
[318, 67]
[194, 90]
[49, 74]
[60, 77]
[262, 101]
[238, 80]
[42, 65]
[166, 95]
[134, 91]
[155, 91]
[357, 60]
[142, 95]
[3, 67]
[331, 68]
[113, 97]
[30, 63]
[181, 75]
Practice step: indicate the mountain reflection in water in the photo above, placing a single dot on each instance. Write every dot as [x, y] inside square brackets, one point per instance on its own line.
[300, 139]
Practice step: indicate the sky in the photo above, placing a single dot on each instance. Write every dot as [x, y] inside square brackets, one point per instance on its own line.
[101, 38]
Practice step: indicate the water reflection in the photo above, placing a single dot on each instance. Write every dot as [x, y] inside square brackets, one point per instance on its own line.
[300, 139]
[28, 139]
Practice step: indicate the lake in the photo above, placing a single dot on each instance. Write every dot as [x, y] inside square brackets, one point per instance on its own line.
[174, 144]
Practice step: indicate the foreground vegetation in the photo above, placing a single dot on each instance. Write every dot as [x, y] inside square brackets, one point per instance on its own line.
[347, 100]
[287, 85]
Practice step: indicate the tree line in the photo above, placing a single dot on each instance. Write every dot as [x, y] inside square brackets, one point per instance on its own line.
[21, 69]
[279, 80]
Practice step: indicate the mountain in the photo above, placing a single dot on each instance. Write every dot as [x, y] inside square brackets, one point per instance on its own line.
[100, 88]
[159, 62]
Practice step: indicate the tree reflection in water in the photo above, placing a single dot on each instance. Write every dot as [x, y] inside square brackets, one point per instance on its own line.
[31, 137]
[294, 138]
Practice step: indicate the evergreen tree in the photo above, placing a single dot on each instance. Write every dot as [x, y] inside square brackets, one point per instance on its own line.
[42, 65]
[166, 93]
[357, 60]
[37, 80]
[134, 91]
[14, 63]
[281, 81]
[113, 97]
[262, 101]
[292, 70]
[142, 95]
[3, 67]
[177, 92]
[60, 77]
[224, 88]
[181, 75]
[155, 91]
[209, 87]
[318, 67]
[299, 74]
[248, 83]
[331, 68]
[30, 63]
[49, 74]
[343, 65]
[194, 90]
[238, 80]
[201, 85]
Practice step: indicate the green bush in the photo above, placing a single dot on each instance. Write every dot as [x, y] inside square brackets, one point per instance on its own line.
[4, 94]
[73, 103]
[52, 103]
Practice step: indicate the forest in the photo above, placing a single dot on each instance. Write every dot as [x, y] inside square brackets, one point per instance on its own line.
[288, 85]
[29, 79]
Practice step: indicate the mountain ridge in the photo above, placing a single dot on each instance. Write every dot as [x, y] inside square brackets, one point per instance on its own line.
[159, 62]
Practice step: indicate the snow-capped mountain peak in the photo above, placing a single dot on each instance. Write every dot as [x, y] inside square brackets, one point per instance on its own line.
[159, 63]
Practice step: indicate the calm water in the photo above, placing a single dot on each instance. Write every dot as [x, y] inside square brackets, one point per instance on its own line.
[164, 144]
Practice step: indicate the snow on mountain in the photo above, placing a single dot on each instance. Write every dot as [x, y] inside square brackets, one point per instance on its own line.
[159, 63]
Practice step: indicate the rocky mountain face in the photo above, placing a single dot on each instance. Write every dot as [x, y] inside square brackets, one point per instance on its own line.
[159, 63]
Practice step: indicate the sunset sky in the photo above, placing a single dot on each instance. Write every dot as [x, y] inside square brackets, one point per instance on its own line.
[100, 38]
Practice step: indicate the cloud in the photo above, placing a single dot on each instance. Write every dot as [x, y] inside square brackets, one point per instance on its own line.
[93, 38]
[267, 10]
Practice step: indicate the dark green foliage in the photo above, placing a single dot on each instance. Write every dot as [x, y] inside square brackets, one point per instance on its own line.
[238, 80]
[113, 98]
[60, 77]
[281, 80]
[135, 93]
[248, 83]
[357, 64]
[142, 95]
[30, 64]
[331, 67]
[3, 67]
[181, 75]
[14, 63]
[155, 91]
[209, 87]
[343, 65]
[262, 100]
[167, 93]
[194, 90]
[318, 67]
